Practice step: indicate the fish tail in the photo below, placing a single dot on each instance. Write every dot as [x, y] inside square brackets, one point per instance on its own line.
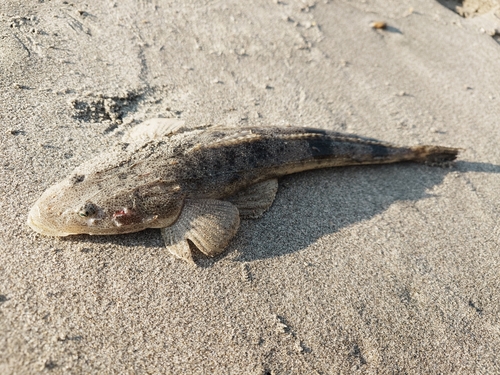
[434, 155]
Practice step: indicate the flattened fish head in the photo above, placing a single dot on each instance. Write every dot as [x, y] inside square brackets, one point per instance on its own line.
[76, 206]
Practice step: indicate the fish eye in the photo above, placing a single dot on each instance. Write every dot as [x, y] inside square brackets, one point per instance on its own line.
[88, 209]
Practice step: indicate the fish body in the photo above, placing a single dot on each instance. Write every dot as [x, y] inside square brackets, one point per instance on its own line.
[196, 184]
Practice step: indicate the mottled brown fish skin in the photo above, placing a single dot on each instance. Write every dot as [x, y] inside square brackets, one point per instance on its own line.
[218, 168]
[146, 185]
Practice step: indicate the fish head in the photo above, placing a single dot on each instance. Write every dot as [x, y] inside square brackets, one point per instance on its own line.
[80, 205]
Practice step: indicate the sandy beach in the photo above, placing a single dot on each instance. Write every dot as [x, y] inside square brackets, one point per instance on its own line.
[388, 269]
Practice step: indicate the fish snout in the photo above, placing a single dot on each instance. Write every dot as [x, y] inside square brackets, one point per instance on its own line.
[40, 222]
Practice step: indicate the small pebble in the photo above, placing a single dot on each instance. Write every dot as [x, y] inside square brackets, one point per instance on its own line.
[378, 25]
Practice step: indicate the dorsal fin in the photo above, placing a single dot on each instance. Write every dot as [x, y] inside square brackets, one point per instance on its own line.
[154, 128]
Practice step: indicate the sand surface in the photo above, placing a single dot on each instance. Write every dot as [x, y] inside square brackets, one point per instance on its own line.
[387, 269]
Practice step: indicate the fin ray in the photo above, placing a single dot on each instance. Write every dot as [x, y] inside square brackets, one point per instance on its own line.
[208, 223]
[256, 199]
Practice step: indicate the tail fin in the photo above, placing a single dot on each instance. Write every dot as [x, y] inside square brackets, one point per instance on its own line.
[434, 155]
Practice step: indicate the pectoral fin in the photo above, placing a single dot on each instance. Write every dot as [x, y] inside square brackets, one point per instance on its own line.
[209, 224]
[256, 199]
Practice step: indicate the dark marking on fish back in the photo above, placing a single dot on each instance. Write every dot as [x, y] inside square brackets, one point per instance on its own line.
[379, 151]
[321, 147]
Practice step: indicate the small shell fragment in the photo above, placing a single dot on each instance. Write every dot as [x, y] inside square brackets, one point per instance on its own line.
[378, 25]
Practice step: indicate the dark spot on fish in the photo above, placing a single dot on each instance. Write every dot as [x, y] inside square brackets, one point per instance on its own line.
[188, 145]
[77, 178]
[379, 151]
[321, 147]
[234, 178]
[260, 151]
[252, 161]
[217, 166]
[231, 157]
[200, 161]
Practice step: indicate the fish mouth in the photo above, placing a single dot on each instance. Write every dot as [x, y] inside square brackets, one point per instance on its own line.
[36, 223]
